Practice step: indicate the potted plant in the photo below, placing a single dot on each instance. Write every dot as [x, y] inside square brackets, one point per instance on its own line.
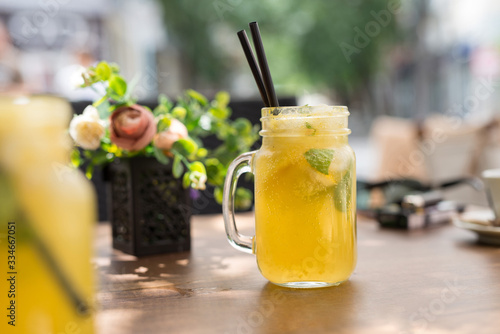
[156, 158]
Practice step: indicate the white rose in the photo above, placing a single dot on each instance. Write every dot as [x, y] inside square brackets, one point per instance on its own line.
[87, 129]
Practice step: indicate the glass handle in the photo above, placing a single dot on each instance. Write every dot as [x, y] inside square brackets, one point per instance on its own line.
[240, 165]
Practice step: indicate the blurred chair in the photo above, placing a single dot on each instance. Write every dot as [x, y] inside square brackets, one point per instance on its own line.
[435, 150]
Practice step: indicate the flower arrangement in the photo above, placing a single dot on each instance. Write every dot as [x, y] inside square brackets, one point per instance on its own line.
[115, 126]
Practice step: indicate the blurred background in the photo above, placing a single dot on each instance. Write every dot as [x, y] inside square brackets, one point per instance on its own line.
[420, 77]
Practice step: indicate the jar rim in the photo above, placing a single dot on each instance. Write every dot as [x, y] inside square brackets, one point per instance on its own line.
[318, 110]
[275, 121]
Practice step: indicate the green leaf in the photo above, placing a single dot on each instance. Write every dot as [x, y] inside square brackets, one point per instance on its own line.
[118, 85]
[215, 171]
[76, 160]
[243, 199]
[179, 113]
[218, 194]
[103, 70]
[309, 126]
[100, 101]
[220, 113]
[89, 171]
[197, 96]
[201, 153]
[185, 146]
[103, 109]
[164, 123]
[197, 166]
[160, 110]
[165, 102]
[343, 191]
[160, 156]
[231, 142]
[177, 168]
[243, 126]
[222, 98]
[99, 157]
[319, 159]
[186, 181]
[114, 68]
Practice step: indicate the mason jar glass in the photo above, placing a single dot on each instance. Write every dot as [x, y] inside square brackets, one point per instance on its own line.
[305, 197]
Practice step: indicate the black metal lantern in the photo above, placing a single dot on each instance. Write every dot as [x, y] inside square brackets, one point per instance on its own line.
[149, 209]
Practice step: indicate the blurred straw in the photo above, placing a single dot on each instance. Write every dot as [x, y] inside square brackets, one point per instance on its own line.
[80, 305]
[261, 56]
[245, 44]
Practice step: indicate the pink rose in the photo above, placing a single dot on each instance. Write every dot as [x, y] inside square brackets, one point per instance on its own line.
[132, 127]
[165, 139]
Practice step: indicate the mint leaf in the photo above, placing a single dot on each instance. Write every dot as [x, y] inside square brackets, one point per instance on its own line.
[319, 159]
[310, 127]
[343, 191]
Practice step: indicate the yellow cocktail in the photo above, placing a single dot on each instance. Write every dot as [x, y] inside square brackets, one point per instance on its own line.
[46, 222]
[305, 207]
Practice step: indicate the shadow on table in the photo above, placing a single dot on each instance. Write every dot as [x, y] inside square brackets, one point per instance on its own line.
[315, 309]
[474, 244]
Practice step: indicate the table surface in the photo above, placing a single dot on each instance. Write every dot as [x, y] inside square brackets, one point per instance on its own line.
[429, 281]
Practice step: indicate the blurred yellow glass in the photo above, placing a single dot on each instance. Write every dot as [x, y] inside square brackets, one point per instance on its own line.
[45, 250]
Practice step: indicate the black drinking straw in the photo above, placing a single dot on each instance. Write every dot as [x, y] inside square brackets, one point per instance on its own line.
[261, 56]
[78, 302]
[245, 44]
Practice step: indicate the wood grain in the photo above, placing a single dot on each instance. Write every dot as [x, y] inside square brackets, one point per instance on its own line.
[431, 281]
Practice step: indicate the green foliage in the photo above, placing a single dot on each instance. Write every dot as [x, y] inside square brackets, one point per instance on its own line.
[177, 167]
[186, 147]
[117, 85]
[202, 118]
[103, 70]
[75, 158]
[243, 198]
[160, 156]
[205, 118]
[302, 41]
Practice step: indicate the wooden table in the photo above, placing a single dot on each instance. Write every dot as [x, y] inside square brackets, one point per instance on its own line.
[431, 281]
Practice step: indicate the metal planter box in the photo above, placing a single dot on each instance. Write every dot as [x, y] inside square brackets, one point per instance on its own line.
[149, 209]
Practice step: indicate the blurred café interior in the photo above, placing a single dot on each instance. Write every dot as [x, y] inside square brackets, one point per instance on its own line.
[421, 79]
[423, 70]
